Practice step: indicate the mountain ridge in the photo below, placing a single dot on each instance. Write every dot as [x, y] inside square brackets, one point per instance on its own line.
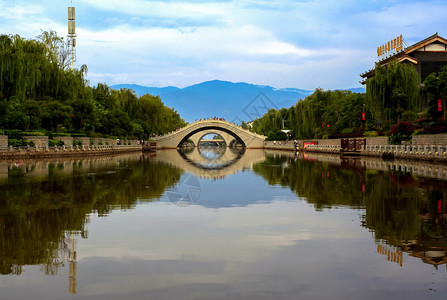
[225, 99]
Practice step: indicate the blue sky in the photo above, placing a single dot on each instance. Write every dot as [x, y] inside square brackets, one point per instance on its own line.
[300, 44]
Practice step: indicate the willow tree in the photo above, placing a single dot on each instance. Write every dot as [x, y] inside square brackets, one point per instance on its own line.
[392, 90]
[435, 87]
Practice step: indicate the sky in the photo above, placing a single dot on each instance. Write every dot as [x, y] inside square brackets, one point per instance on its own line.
[285, 44]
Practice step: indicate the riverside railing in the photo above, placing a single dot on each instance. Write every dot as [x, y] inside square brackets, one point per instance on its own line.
[433, 152]
[73, 148]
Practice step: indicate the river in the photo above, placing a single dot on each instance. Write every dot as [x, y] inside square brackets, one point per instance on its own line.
[222, 224]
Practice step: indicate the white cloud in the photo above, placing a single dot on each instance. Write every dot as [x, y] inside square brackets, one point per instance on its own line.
[302, 44]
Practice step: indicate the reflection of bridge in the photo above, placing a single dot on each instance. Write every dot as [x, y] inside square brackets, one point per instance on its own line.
[213, 141]
[194, 163]
[195, 131]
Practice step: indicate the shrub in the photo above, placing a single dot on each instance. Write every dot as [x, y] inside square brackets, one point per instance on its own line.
[33, 133]
[53, 143]
[277, 135]
[15, 142]
[15, 134]
[370, 133]
[348, 130]
[62, 134]
[403, 131]
[29, 143]
[99, 143]
[20, 143]
[77, 143]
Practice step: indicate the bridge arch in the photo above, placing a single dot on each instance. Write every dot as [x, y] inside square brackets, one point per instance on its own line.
[207, 128]
[198, 138]
[242, 136]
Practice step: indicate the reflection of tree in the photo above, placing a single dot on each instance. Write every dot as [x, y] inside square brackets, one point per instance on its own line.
[321, 184]
[34, 215]
[392, 210]
[406, 212]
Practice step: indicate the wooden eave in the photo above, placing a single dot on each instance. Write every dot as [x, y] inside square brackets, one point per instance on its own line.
[409, 58]
[423, 43]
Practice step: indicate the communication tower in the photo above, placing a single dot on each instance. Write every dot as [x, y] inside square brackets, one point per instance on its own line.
[72, 34]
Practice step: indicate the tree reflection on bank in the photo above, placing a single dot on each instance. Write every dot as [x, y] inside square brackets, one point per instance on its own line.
[43, 202]
[37, 215]
[405, 213]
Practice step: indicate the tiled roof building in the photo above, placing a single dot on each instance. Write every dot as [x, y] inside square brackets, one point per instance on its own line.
[427, 56]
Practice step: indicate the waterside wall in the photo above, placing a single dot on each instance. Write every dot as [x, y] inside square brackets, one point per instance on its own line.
[77, 151]
[424, 147]
[88, 147]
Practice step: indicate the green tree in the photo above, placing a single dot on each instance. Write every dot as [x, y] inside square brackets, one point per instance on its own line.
[392, 90]
[435, 86]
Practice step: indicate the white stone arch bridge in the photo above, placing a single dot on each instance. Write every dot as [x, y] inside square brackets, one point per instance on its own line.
[228, 131]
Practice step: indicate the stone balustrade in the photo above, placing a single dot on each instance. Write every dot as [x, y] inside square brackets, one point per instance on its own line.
[89, 147]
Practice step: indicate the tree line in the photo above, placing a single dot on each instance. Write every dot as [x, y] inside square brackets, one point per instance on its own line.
[394, 99]
[38, 92]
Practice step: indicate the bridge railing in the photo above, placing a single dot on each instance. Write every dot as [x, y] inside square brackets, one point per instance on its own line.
[199, 123]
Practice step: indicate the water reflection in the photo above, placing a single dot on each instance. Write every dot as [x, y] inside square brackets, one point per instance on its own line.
[211, 158]
[216, 164]
[231, 224]
[403, 210]
[43, 200]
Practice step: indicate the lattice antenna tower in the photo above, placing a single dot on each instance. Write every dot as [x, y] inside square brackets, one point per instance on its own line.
[72, 34]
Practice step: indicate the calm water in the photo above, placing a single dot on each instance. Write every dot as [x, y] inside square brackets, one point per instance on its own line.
[221, 224]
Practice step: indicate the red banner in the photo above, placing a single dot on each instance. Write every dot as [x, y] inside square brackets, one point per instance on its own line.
[363, 116]
[305, 144]
[439, 206]
[439, 104]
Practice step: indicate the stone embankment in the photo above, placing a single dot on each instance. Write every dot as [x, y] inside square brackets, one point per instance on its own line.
[424, 147]
[93, 147]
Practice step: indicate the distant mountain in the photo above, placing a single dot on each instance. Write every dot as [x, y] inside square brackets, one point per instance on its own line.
[236, 102]
[358, 90]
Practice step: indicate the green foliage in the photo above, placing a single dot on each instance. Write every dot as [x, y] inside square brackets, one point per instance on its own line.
[57, 143]
[13, 134]
[77, 143]
[62, 134]
[39, 92]
[277, 135]
[370, 133]
[409, 116]
[391, 91]
[20, 143]
[309, 118]
[347, 130]
[435, 87]
[33, 133]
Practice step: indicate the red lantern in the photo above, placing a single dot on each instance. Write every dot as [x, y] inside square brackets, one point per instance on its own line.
[363, 116]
